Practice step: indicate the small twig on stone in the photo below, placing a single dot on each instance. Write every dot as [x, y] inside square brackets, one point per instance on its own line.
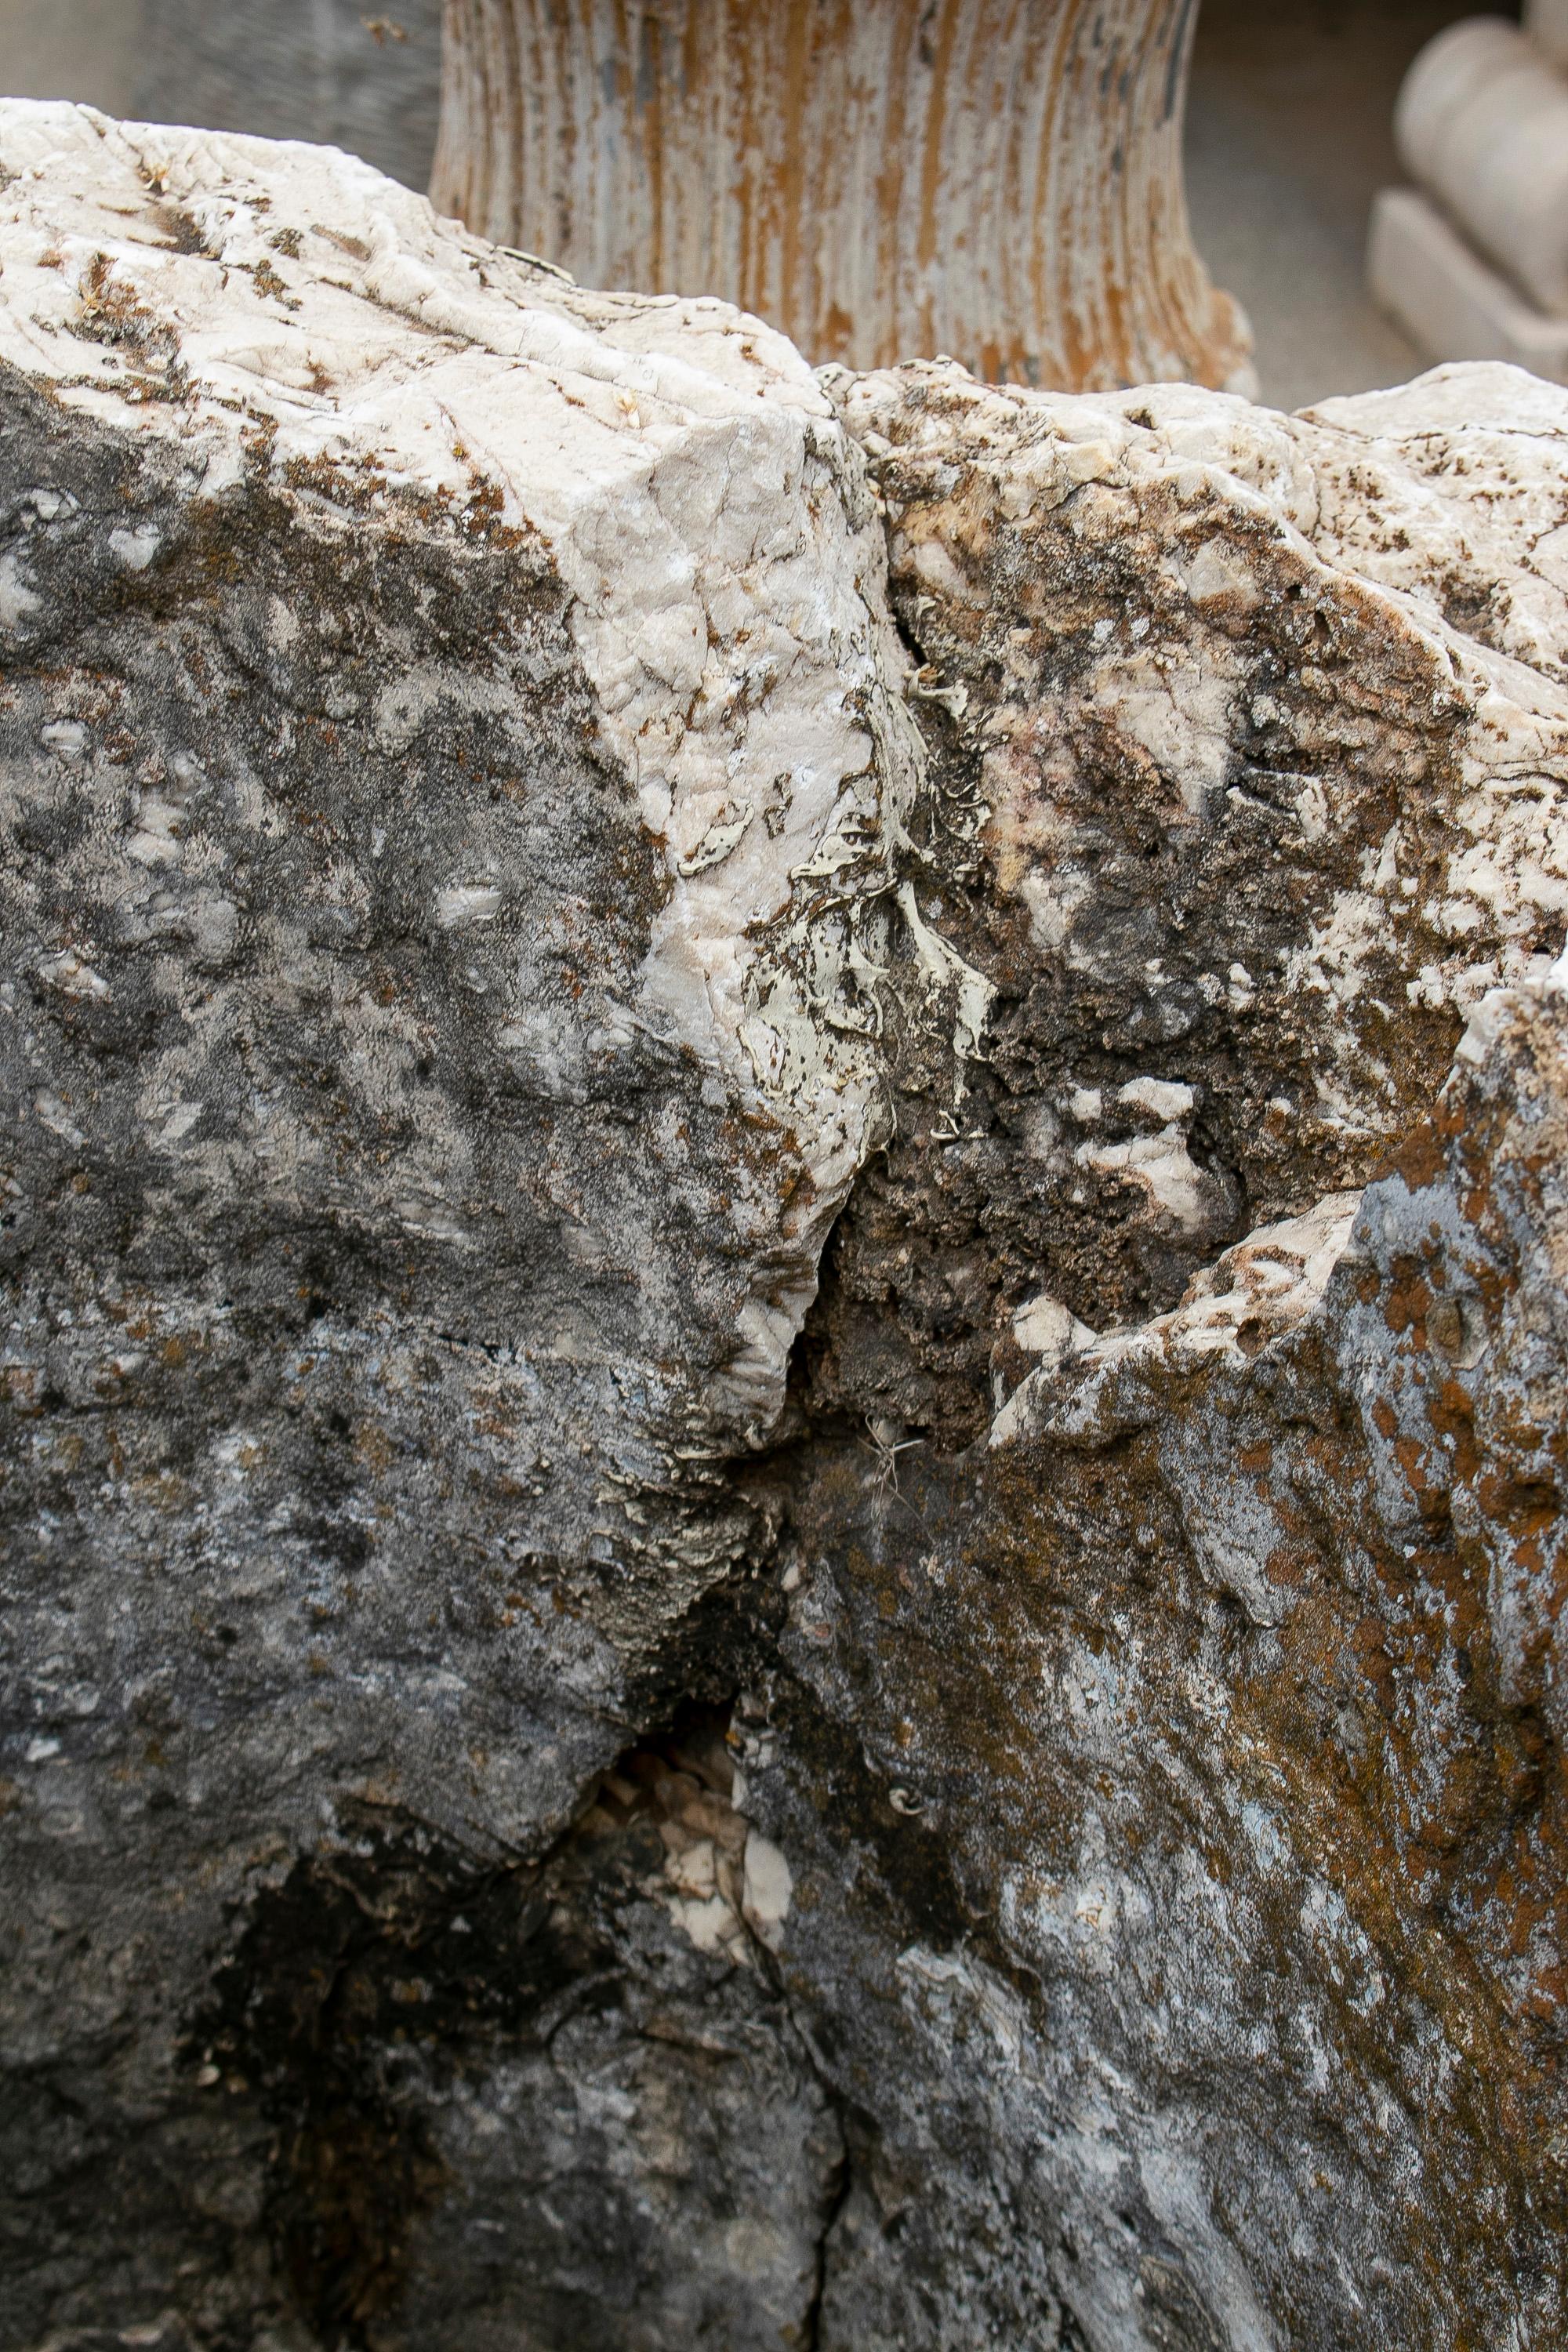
[885, 1446]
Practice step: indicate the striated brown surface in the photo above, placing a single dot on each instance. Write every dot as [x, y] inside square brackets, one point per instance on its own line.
[1204, 1882]
[1000, 180]
[784, 1392]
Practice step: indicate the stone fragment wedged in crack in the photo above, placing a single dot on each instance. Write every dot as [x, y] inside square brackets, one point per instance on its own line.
[1251, 1294]
[1248, 736]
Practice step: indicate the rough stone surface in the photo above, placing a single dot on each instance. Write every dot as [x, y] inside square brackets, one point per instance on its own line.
[1248, 741]
[445, 749]
[785, 1382]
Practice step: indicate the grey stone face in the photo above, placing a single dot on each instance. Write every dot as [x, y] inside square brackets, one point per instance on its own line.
[317, 1341]
[1194, 1861]
[783, 1391]
[389, 1273]
[315, 1309]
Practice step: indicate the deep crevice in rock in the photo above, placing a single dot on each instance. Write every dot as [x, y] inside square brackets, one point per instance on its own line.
[390, 1967]
[352, 1953]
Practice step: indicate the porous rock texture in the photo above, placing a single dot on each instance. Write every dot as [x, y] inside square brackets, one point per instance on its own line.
[785, 1366]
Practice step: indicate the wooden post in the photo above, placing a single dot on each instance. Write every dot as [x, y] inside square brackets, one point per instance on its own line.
[998, 180]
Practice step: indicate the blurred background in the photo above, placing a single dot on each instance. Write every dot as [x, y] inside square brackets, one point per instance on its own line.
[1289, 137]
[1291, 128]
[352, 72]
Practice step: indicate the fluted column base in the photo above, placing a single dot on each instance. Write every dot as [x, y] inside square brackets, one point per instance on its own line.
[998, 179]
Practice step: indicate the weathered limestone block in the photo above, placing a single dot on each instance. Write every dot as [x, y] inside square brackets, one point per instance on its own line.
[785, 1371]
[1201, 1720]
[446, 757]
[494, 707]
